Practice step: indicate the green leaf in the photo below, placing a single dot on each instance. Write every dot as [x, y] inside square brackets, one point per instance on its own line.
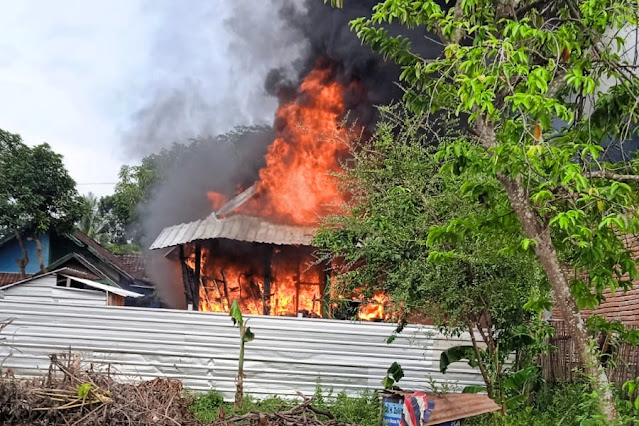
[474, 389]
[455, 354]
[395, 371]
[248, 335]
[84, 389]
[236, 313]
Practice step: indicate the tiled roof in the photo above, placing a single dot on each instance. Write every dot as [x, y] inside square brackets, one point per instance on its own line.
[9, 278]
[135, 265]
[238, 227]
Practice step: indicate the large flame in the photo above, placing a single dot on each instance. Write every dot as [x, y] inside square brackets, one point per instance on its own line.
[295, 187]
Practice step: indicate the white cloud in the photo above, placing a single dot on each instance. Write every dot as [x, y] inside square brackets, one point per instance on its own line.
[64, 70]
[105, 82]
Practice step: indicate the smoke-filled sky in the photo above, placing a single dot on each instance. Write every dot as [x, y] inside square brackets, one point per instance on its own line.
[107, 82]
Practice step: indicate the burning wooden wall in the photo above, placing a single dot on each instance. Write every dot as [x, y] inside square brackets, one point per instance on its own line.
[264, 278]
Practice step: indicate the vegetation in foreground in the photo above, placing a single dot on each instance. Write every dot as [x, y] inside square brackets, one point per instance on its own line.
[364, 409]
[568, 404]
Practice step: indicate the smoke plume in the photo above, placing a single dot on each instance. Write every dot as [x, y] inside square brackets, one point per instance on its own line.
[233, 66]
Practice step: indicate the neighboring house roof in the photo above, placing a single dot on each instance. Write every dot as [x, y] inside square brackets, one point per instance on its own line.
[621, 306]
[8, 278]
[135, 264]
[100, 252]
[239, 227]
[110, 289]
[90, 283]
[95, 272]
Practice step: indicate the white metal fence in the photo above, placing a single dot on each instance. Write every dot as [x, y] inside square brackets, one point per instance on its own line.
[288, 354]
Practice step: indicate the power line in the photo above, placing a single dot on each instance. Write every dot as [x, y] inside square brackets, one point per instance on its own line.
[97, 183]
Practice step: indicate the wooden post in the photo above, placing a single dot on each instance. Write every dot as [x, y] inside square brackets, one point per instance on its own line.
[297, 285]
[196, 284]
[185, 278]
[325, 307]
[266, 296]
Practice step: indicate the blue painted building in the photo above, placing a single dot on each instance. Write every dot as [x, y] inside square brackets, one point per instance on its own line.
[10, 251]
[81, 254]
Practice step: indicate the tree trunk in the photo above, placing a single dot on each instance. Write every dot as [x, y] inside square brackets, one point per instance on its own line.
[39, 248]
[547, 256]
[546, 253]
[22, 263]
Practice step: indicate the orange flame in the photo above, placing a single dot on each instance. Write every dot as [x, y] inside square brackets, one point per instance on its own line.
[217, 200]
[376, 308]
[295, 187]
[294, 288]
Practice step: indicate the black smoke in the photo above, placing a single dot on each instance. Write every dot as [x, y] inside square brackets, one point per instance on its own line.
[271, 47]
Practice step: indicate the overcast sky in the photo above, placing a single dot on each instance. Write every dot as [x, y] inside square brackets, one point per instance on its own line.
[87, 77]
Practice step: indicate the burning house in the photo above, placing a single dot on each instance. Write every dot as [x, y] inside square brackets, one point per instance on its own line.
[253, 243]
[256, 247]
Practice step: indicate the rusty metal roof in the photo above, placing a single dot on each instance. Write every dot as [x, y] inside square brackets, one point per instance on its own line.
[239, 227]
[454, 406]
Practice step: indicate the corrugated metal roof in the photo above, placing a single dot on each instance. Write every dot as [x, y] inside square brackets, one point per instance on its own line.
[90, 283]
[239, 227]
[453, 406]
[104, 287]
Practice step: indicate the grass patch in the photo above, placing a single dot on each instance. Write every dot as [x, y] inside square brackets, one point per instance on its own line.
[364, 409]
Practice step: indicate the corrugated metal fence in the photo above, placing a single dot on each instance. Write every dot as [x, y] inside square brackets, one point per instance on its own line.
[288, 354]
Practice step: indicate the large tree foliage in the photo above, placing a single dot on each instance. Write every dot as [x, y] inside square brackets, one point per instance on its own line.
[37, 195]
[381, 243]
[543, 86]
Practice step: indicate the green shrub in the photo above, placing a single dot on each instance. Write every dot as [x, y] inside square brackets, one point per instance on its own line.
[364, 409]
[569, 404]
[205, 405]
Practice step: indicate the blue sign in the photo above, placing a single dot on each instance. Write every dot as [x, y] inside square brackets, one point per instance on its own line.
[392, 413]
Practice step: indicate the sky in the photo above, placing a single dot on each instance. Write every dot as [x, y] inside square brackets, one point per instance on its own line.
[107, 82]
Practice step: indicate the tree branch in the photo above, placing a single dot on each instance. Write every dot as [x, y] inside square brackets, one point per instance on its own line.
[480, 361]
[606, 174]
[458, 14]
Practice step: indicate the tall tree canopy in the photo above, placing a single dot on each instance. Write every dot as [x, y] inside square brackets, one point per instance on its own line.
[543, 86]
[37, 195]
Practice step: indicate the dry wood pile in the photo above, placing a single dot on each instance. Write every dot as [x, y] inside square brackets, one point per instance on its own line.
[68, 395]
[72, 395]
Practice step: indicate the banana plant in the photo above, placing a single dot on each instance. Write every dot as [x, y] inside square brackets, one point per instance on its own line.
[246, 335]
[393, 375]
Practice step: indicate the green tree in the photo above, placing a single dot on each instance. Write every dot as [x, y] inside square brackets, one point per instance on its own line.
[91, 222]
[37, 195]
[381, 243]
[542, 86]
